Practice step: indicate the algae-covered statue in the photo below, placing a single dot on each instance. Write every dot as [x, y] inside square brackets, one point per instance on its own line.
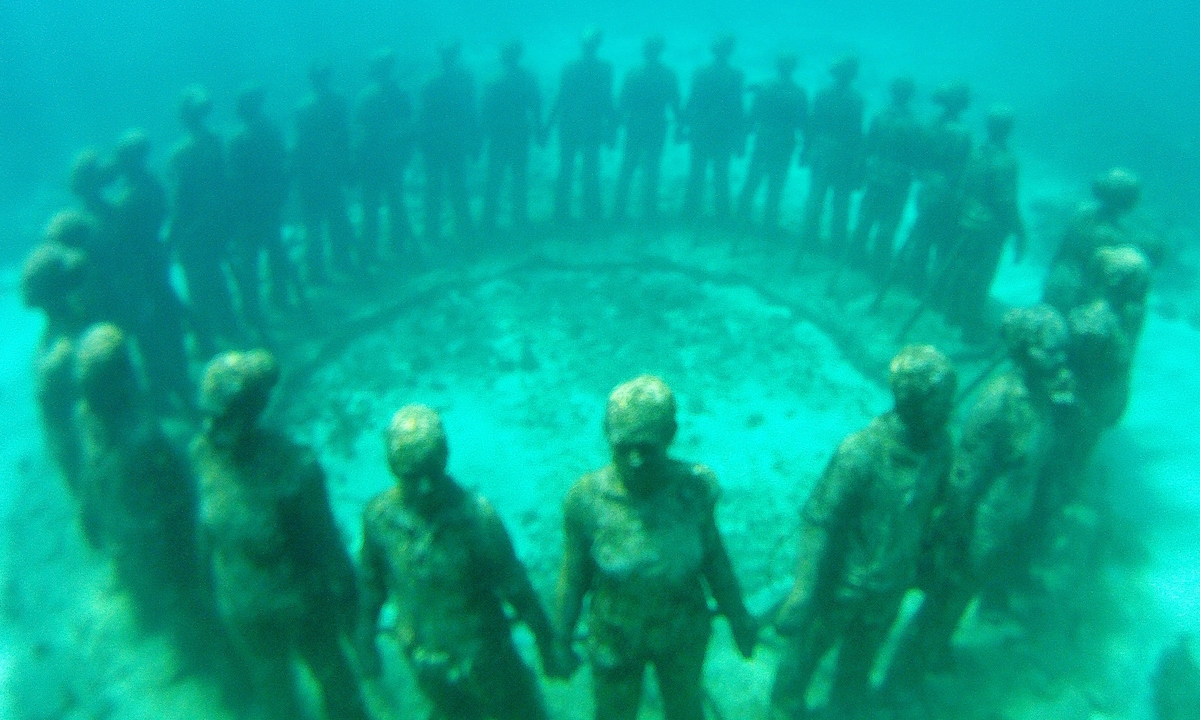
[285, 585]
[642, 543]
[1104, 339]
[778, 115]
[648, 94]
[990, 216]
[443, 556]
[713, 122]
[891, 148]
[55, 279]
[861, 537]
[139, 488]
[833, 151]
[1098, 225]
[1005, 455]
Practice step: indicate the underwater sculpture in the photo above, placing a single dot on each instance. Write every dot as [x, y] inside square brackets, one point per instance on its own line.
[778, 116]
[512, 121]
[443, 557]
[642, 545]
[981, 543]
[449, 138]
[322, 168]
[648, 94]
[585, 116]
[285, 585]
[862, 534]
[199, 226]
[382, 146]
[833, 152]
[713, 123]
[890, 149]
[1097, 225]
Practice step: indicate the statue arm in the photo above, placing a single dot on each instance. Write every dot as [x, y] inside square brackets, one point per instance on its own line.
[727, 591]
[372, 595]
[512, 582]
[575, 577]
[824, 514]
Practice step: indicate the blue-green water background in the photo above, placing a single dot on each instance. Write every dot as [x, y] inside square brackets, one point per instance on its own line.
[1094, 84]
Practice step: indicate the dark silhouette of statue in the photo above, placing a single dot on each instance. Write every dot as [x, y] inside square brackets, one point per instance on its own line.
[258, 191]
[512, 118]
[891, 151]
[586, 119]
[650, 92]
[713, 122]
[778, 115]
[321, 169]
[383, 125]
[990, 216]
[200, 221]
[149, 308]
[946, 149]
[450, 138]
[833, 153]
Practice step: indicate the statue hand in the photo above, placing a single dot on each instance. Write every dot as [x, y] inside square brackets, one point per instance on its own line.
[745, 635]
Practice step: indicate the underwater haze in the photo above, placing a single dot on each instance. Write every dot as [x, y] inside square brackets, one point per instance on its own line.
[775, 347]
[1093, 84]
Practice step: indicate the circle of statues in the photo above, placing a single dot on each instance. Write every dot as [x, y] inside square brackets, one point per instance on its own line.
[230, 548]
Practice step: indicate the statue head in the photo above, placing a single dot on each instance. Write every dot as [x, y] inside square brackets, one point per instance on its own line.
[417, 452]
[249, 102]
[953, 98]
[845, 69]
[236, 389]
[1117, 191]
[132, 151]
[999, 122]
[104, 370]
[381, 64]
[723, 46]
[785, 64]
[639, 424]
[902, 90]
[653, 47]
[195, 104]
[923, 384]
[1037, 339]
[511, 53]
[52, 278]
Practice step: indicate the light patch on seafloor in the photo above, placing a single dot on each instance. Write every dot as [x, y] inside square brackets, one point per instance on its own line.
[1156, 460]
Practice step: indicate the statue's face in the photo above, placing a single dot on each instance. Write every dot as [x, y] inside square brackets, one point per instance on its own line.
[926, 410]
[639, 463]
[1048, 363]
[420, 469]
